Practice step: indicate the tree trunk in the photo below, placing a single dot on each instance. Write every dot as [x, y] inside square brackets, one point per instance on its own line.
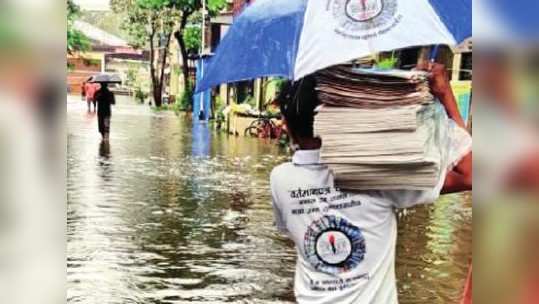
[183, 49]
[157, 95]
[163, 66]
[155, 87]
[185, 65]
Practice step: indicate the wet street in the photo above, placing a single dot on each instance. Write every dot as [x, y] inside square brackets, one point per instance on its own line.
[170, 213]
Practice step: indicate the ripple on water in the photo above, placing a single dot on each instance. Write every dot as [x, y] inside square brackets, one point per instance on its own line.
[158, 217]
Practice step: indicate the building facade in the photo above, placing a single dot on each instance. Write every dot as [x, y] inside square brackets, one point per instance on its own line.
[108, 53]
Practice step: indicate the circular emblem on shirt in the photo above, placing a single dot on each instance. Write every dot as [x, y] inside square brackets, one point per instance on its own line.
[333, 245]
[354, 17]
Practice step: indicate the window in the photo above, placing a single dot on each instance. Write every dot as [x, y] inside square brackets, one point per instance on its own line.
[466, 66]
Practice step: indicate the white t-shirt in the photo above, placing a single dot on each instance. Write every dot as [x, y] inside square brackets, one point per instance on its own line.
[345, 242]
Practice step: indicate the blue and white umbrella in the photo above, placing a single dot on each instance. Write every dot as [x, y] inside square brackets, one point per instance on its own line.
[294, 38]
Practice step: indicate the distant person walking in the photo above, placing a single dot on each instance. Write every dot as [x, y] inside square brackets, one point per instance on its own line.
[88, 92]
[104, 98]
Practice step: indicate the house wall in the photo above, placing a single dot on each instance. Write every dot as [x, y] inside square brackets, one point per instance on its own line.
[123, 67]
[80, 67]
[239, 5]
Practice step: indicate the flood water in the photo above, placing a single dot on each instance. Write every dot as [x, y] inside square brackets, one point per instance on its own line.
[170, 213]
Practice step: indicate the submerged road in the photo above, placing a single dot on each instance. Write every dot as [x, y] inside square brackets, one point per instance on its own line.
[171, 213]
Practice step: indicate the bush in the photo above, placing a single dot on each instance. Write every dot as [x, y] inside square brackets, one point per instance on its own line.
[186, 101]
[131, 77]
[251, 100]
[387, 63]
[140, 95]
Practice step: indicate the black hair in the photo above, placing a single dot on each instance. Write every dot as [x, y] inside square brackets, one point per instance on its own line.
[298, 101]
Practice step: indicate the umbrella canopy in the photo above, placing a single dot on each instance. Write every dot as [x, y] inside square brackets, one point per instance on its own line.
[294, 38]
[106, 78]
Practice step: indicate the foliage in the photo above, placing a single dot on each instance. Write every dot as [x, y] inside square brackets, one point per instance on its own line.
[141, 13]
[161, 108]
[137, 82]
[76, 40]
[140, 95]
[192, 36]
[272, 87]
[218, 101]
[152, 23]
[279, 83]
[176, 70]
[251, 101]
[186, 101]
[387, 63]
[73, 12]
[9, 35]
[91, 62]
[142, 18]
[131, 77]
[189, 33]
[177, 108]
[219, 109]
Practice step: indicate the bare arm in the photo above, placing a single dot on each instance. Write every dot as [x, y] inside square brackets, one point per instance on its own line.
[460, 178]
[441, 88]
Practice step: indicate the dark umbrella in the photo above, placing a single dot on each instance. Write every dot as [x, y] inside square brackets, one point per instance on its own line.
[106, 78]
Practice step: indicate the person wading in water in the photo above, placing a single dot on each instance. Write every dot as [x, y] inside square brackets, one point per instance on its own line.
[346, 242]
[104, 98]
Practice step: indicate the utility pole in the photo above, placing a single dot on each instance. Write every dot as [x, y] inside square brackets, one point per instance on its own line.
[201, 115]
[203, 26]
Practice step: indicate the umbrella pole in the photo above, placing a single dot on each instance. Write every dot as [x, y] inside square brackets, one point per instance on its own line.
[434, 53]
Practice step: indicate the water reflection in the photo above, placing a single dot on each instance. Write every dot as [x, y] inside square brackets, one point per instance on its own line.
[169, 216]
[201, 139]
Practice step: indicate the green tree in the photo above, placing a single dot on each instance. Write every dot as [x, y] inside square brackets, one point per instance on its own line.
[76, 40]
[153, 23]
[189, 29]
[150, 23]
[193, 34]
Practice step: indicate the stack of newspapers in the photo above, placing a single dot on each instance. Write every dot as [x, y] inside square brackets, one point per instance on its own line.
[380, 129]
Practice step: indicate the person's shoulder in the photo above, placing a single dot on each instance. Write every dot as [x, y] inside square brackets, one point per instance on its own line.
[282, 168]
[281, 172]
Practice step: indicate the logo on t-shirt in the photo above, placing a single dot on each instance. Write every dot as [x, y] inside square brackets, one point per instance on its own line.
[356, 16]
[333, 245]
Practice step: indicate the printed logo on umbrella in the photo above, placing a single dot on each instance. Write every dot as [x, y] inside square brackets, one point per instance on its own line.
[363, 10]
[355, 17]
